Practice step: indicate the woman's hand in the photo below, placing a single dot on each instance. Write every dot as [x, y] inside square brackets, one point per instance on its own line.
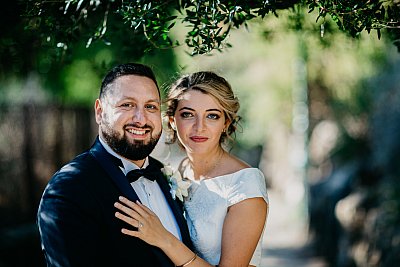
[150, 228]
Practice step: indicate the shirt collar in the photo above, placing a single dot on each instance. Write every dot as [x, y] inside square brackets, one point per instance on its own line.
[128, 165]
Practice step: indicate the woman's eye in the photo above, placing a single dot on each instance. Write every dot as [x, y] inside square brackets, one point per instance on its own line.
[213, 116]
[186, 115]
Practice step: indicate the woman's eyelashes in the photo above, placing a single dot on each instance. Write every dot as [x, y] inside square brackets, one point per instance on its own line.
[212, 116]
[186, 114]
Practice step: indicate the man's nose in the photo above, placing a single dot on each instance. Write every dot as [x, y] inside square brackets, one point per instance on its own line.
[139, 116]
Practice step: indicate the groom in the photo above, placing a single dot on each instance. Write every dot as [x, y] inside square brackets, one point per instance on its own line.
[76, 213]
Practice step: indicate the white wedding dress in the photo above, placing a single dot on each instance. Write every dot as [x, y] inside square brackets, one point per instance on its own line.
[207, 205]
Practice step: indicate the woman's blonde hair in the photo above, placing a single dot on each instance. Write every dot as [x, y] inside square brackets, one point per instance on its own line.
[208, 83]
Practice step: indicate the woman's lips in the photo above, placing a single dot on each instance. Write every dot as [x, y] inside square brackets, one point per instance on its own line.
[198, 139]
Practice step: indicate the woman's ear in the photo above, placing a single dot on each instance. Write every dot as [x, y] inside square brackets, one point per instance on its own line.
[226, 126]
[172, 123]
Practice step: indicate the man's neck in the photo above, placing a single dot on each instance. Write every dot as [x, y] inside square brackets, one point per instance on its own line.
[138, 163]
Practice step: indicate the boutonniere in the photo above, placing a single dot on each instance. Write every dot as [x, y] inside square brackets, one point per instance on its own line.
[179, 187]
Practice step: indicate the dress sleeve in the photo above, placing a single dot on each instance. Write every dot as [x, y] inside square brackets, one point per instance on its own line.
[247, 183]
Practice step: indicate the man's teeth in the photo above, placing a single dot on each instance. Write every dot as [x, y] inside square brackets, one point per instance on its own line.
[139, 132]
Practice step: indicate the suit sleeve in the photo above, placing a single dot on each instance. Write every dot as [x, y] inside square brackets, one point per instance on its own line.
[69, 229]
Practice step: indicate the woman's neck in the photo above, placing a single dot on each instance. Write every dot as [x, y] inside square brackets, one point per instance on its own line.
[205, 165]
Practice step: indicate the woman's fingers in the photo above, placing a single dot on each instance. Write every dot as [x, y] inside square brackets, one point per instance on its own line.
[127, 219]
[127, 210]
[138, 207]
[149, 226]
[128, 215]
[130, 232]
[127, 202]
[145, 208]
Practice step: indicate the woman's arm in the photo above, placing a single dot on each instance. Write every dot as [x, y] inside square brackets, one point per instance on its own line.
[242, 229]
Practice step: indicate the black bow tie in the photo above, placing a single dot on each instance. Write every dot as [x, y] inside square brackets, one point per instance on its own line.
[150, 172]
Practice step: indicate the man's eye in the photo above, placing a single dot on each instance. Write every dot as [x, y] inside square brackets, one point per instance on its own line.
[186, 115]
[126, 105]
[213, 116]
[152, 107]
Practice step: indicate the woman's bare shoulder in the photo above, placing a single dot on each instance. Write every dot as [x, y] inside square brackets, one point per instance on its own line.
[234, 164]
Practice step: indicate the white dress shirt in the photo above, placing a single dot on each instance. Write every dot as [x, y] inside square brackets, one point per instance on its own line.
[149, 193]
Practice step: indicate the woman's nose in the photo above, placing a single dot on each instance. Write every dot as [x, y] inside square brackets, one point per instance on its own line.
[199, 124]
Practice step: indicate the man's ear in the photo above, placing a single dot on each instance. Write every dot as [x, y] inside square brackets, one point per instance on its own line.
[98, 110]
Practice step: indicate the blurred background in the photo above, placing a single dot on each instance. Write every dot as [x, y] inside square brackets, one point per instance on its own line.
[321, 119]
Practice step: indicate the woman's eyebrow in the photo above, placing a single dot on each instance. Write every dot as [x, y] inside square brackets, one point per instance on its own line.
[208, 110]
[214, 109]
[186, 108]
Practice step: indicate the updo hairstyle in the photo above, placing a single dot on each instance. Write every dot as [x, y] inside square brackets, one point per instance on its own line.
[208, 83]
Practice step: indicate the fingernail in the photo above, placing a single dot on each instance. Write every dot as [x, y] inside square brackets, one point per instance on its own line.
[121, 198]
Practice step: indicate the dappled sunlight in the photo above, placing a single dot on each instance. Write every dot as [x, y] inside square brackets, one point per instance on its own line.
[320, 119]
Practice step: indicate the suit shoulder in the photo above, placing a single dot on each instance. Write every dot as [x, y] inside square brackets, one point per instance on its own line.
[80, 166]
[81, 162]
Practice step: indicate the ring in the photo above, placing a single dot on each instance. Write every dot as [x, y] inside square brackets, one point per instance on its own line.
[140, 225]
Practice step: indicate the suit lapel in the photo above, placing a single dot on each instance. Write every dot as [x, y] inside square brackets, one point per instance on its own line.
[176, 208]
[106, 161]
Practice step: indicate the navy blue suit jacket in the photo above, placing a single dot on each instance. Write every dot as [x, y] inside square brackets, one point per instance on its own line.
[76, 216]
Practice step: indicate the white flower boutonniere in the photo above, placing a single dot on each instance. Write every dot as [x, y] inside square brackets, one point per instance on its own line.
[179, 187]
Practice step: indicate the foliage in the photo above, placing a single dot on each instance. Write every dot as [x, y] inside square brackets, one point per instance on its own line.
[209, 22]
[354, 17]
[16, 58]
[62, 62]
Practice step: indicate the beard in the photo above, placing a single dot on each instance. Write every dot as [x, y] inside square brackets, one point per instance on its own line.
[133, 150]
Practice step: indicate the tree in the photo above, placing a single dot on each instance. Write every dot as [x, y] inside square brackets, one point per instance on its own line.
[209, 21]
[65, 68]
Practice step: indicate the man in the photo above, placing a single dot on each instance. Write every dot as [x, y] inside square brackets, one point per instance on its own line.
[76, 213]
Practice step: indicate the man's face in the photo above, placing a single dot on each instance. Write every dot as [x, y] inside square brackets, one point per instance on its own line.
[129, 116]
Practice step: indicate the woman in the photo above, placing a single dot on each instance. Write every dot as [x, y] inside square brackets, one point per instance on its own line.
[227, 203]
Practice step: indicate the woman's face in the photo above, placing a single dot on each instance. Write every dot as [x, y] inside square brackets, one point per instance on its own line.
[199, 121]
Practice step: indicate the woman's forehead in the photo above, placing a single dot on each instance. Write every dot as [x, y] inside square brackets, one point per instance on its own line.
[196, 98]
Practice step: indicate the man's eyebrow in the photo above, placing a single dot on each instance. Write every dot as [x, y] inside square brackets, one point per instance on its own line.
[150, 100]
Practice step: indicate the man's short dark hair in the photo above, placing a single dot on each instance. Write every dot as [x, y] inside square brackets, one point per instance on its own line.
[126, 69]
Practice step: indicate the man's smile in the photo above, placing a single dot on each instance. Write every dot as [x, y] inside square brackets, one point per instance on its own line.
[137, 132]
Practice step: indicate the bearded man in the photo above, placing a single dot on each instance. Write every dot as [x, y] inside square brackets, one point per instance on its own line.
[76, 213]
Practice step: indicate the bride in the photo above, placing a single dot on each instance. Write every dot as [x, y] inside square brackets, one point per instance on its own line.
[227, 203]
